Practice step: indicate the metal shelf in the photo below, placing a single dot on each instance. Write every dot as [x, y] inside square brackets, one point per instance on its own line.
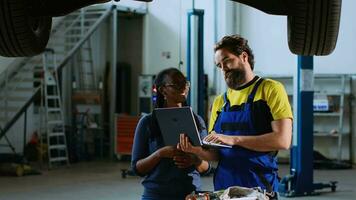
[328, 114]
[339, 91]
[334, 93]
[327, 134]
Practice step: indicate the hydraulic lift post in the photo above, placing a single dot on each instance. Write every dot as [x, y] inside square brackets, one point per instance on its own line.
[300, 181]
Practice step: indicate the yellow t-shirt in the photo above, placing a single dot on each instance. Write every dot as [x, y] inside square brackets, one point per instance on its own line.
[270, 103]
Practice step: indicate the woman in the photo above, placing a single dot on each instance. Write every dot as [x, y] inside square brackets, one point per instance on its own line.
[169, 173]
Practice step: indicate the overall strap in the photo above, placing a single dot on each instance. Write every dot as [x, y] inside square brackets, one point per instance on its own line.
[251, 96]
[226, 105]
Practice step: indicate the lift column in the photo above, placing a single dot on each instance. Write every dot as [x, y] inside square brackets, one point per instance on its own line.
[302, 149]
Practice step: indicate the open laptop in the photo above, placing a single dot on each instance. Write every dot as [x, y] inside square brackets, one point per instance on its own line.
[174, 121]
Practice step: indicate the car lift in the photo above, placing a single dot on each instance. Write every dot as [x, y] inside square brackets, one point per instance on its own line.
[300, 181]
[195, 60]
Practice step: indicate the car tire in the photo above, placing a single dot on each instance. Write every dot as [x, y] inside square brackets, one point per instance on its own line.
[21, 34]
[313, 27]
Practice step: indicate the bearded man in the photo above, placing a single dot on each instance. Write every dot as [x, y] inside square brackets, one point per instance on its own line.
[253, 116]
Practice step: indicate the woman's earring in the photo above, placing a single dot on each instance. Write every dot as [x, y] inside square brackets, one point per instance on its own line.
[154, 94]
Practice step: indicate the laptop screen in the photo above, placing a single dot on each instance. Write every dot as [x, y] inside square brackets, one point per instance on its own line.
[174, 121]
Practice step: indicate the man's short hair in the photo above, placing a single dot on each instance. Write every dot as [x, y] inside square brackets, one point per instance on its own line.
[236, 44]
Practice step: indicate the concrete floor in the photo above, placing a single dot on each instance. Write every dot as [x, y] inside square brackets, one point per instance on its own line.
[102, 180]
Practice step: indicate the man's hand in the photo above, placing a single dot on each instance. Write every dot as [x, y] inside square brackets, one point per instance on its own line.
[220, 138]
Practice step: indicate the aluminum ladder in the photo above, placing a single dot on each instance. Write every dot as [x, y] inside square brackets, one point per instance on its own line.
[54, 119]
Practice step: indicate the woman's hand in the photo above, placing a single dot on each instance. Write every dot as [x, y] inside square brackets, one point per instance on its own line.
[185, 160]
[202, 154]
[219, 138]
[185, 146]
[168, 152]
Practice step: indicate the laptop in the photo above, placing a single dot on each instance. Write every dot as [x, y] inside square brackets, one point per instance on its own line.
[174, 121]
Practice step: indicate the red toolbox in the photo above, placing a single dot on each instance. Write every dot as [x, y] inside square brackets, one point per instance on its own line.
[125, 132]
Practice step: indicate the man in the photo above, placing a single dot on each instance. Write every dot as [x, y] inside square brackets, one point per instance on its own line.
[253, 115]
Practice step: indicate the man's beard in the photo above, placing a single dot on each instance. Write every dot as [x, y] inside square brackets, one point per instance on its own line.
[234, 78]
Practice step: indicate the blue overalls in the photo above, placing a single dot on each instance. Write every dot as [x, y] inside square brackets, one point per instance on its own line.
[239, 166]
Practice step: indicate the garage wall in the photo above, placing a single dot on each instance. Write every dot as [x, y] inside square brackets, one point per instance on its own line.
[166, 31]
[161, 36]
[130, 52]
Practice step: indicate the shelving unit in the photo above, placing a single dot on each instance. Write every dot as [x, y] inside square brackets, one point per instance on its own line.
[91, 139]
[332, 116]
[332, 122]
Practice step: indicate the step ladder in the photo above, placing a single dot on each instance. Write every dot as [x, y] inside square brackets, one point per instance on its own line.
[54, 120]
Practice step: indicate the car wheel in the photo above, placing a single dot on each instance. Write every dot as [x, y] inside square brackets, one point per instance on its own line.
[20, 33]
[313, 27]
